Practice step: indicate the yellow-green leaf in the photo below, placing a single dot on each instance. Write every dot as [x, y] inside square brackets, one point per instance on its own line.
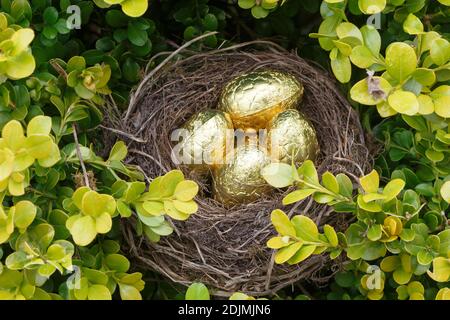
[401, 60]
[360, 91]
[286, 253]
[370, 182]
[282, 223]
[186, 190]
[445, 191]
[404, 102]
[331, 235]
[39, 125]
[305, 228]
[330, 182]
[412, 25]
[278, 242]
[441, 269]
[393, 188]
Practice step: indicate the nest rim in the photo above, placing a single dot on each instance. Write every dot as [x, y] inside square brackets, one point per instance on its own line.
[186, 256]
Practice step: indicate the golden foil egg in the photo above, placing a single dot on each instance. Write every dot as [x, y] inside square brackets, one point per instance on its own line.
[292, 138]
[253, 99]
[240, 180]
[203, 140]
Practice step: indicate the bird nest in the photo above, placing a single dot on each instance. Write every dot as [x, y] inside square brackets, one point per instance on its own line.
[222, 247]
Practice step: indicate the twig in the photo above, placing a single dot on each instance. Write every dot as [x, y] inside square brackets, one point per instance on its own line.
[129, 136]
[58, 68]
[150, 74]
[80, 157]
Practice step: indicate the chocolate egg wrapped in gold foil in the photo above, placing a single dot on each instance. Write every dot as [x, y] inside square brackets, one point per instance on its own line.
[240, 180]
[204, 138]
[253, 99]
[292, 138]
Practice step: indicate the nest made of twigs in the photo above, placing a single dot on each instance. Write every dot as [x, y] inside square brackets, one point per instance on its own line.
[222, 247]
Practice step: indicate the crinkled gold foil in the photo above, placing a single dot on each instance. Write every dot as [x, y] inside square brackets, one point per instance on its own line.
[253, 99]
[292, 138]
[240, 180]
[205, 143]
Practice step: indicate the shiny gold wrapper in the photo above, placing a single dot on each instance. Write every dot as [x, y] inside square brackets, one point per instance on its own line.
[204, 140]
[253, 99]
[240, 180]
[292, 138]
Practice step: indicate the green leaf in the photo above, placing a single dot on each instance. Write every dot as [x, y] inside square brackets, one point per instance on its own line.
[424, 76]
[401, 276]
[345, 279]
[370, 182]
[137, 36]
[342, 68]
[163, 230]
[413, 25]
[278, 175]
[124, 210]
[345, 185]
[445, 191]
[39, 125]
[173, 212]
[401, 60]
[188, 207]
[186, 190]
[375, 232]
[307, 171]
[305, 228]
[441, 106]
[155, 208]
[424, 257]
[393, 188]
[344, 48]
[372, 39]
[278, 242]
[347, 29]
[368, 206]
[197, 291]
[246, 4]
[371, 6]
[134, 8]
[441, 270]
[362, 57]
[98, 292]
[360, 91]
[330, 182]
[83, 230]
[404, 102]
[287, 253]
[331, 235]
[128, 292]
[282, 223]
[24, 214]
[118, 152]
[440, 51]
[297, 195]
[302, 254]
[50, 15]
[76, 63]
[17, 260]
[169, 182]
[259, 12]
[103, 223]
[407, 235]
[117, 262]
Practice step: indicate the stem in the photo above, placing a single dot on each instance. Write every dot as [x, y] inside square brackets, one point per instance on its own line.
[80, 157]
[44, 194]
